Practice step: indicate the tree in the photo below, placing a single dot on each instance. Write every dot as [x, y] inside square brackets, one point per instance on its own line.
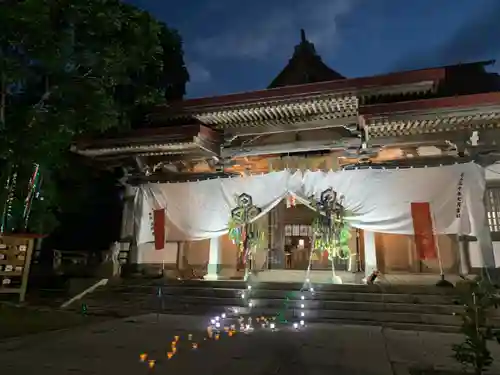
[72, 68]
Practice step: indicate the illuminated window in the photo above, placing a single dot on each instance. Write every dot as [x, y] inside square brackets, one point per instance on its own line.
[493, 208]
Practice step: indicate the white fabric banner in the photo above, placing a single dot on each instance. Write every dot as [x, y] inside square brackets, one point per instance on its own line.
[378, 199]
[201, 210]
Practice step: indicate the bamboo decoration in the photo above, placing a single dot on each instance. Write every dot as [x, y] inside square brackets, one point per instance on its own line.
[330, 232]
[241, 230]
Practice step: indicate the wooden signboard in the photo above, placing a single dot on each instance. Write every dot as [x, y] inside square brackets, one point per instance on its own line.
[15, 260]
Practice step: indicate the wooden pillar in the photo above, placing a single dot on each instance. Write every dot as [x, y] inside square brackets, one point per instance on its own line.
[279, 236]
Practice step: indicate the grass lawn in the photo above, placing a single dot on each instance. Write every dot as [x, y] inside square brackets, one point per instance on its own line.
[18, 321]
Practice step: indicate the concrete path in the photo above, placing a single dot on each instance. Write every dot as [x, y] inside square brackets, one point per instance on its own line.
[114, 348]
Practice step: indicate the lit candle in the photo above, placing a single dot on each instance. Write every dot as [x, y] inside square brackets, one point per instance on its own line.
[152, 363]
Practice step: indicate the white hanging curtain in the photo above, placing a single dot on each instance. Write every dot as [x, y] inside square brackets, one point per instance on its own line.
[379, 199]
[202, 209]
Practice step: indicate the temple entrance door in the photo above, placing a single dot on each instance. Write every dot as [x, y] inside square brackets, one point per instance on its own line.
[296, 238]
[298, 250]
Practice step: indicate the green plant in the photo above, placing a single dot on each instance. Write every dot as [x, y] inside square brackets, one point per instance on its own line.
[71, 70]
[331, 231]
[478, 297]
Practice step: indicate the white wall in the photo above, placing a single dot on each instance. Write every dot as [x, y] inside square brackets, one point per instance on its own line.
[493, 172]
[148, 254]
[474, 254]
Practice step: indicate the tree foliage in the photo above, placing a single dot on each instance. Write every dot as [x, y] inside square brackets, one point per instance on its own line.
[478, 298]
[73, 68]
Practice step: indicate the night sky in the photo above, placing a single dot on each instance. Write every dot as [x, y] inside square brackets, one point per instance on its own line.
[236, 45]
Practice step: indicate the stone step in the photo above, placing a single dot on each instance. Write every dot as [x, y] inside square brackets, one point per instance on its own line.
[322, 304]
[270, 294]
[313, 309]
[291, 287]
[443, 323]
[399, 307]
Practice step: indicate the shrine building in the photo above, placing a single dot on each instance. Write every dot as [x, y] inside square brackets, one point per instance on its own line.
[312, 118]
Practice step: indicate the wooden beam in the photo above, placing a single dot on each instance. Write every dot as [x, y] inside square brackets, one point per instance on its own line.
[210, 148]
[156, 136]
[476, 102]
[429, 139]
[289, 125]
[412, 162]
[177, 177]
[307, 90]
[291, 147]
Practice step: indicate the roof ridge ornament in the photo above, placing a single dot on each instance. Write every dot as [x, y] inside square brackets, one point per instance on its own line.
[303, 38]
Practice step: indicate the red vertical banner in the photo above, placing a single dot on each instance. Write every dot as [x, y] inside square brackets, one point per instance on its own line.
[424, 230]
[159, 228]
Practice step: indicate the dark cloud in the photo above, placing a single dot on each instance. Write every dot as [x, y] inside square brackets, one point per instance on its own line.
[477, 39]
[276, 28]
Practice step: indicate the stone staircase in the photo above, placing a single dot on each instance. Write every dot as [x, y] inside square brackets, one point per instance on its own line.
[399, 307]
